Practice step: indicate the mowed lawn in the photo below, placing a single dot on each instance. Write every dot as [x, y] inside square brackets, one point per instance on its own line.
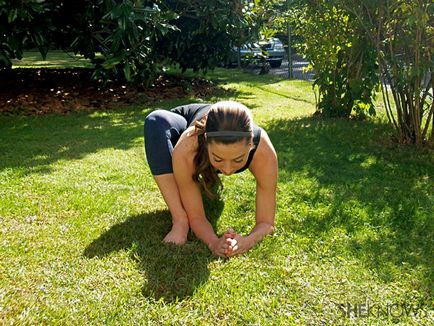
[82, 222]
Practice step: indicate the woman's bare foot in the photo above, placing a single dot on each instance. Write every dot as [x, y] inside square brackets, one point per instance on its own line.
[178, 234]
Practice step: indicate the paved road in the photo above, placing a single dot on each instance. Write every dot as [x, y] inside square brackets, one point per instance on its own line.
[298, 65]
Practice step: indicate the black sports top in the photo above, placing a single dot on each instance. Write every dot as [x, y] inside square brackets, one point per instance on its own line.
[195, 112]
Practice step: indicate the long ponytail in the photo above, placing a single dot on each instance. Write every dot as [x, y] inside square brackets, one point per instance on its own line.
[204, 174]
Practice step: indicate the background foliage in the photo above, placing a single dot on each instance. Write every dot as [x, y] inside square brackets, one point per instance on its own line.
[402, 33]
[133, 38]
[352, 45]
[344, 64]
[204, 34]
[355, 45]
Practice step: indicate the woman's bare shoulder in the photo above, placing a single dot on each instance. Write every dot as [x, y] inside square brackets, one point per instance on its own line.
[265, 153]
[265, 147]
[186, 147]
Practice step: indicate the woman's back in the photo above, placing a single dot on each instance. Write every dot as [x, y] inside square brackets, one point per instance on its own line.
[195, 112]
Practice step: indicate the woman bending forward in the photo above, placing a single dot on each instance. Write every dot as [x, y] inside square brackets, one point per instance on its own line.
[188, 146]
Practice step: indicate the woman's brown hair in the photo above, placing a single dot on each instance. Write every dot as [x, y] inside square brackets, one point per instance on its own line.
[223, 116]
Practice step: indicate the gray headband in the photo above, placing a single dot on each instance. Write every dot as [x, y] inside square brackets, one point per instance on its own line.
[226, 133]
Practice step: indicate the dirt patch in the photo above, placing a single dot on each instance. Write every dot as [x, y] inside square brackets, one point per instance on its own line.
[42, 91]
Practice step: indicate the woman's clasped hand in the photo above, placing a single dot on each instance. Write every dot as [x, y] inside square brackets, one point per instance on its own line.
[230, 244]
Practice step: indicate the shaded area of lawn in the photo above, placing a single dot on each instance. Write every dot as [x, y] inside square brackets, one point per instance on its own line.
[171, 272]
[375, 195]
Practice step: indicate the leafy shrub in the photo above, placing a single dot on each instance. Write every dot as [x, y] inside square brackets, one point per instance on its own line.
[125, 39]
[402, 33]
[344, 64]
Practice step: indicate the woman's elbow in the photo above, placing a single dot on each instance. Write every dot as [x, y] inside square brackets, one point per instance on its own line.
[267, 228]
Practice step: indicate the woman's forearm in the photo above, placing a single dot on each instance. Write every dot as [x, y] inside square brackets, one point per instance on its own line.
[259, 232]
[243, 244]
[203, 230]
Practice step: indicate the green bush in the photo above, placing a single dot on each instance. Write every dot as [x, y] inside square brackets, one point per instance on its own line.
[343, 61]
[402, 33]
[24, 24]
[133, 38]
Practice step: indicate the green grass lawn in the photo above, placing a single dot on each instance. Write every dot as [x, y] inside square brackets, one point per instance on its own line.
[82, 223]
[54, 59]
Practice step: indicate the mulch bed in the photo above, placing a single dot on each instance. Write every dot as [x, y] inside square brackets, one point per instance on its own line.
[42, 91]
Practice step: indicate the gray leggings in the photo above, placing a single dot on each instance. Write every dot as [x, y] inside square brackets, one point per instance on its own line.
[162, 131]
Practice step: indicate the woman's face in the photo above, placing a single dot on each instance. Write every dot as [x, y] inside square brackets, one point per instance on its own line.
[228, 158]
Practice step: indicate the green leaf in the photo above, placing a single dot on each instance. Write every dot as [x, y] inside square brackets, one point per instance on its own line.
[5, 61]
[122, 22]
[116, 12]
[127, 71]
[111, 62]
[13, 14]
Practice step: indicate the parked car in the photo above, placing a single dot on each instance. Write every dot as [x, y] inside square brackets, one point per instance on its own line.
[271, 51]
[275, 52]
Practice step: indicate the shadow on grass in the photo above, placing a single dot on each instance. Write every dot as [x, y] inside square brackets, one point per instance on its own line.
[171, 272]
[368, 185]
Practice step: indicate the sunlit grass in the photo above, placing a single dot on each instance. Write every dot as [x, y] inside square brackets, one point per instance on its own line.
[82, 222]
[54, 59]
